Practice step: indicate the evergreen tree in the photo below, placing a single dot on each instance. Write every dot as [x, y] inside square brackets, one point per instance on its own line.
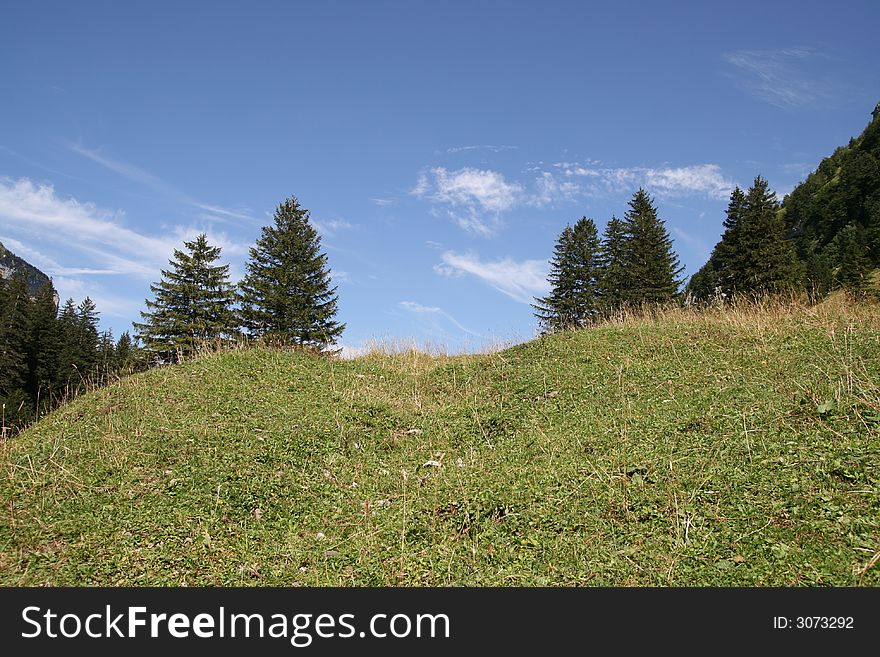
[761, 259]
[192, 306]
[717, 275]
[574, 298]
[286, 294]
[14, 336]
[44, 345]
[853, 257]
[87, 337]
[651, 266]
[125, 353]
[68, 346]
[613, 275]
[818, 274]
[106, 353]
[703, 285]
[728, 254]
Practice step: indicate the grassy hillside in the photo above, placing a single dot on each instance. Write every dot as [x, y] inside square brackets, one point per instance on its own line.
[732, 448]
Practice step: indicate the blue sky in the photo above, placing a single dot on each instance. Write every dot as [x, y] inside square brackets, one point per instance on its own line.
[440, 146]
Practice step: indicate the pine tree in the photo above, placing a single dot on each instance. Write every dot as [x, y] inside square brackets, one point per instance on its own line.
[68, 346]
[818, 272]
[651, 266]
[703, 285]
[852, 253]
[763, 261]
[613, 275]
[14, 336]
[286, 294]
[192, 306]
[87, 337]
[717, 275]
[728, 254]
[106, 353]
[44, 345]
[574, 298]
[125, 354]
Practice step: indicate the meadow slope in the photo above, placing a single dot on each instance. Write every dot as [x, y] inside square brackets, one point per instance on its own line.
[737, 447]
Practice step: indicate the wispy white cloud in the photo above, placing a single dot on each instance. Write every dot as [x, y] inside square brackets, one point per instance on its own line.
[227, 244]
[129, 171]
[37, 210]
[108, 304]
[79, 238]
[780, 77]
[224, 212]
[493, 149]
[520, 280]
[473, 198]
[419, 309]
[330, 226]
[45, 263]
[549, 190]
[384, 202]
[485, 189]
[142, 177]
[695, 180]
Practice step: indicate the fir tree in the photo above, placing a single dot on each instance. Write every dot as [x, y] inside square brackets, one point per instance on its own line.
[14, 336]
[762, 260]
[44, 345]
[650, 265]
[703, 285]
[613, 275]
[106, 353]
[728, 254]
[573, 301]
[717, 275]
[68, 345]
[286, 294]
[125, 353]
[818, 272]
[192, 306]
[87, 337]
[853, 258]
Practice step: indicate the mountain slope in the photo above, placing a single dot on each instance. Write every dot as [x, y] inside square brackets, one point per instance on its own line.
[844, 191]
[11, 264]
[739, 447]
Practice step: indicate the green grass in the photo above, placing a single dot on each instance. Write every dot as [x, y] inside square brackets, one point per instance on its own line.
[736, 447]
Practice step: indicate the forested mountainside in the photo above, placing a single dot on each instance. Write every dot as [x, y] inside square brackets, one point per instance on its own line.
[833, 217]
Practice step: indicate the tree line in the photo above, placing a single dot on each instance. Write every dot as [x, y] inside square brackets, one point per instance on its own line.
[50, 354]
[591, 279]
[633, 264]
[285, 299]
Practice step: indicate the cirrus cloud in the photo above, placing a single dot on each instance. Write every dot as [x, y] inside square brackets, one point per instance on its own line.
[521, 280]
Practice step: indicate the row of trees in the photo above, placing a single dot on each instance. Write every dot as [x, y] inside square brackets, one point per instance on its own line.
[47, 354]
[285, 298]
[753, 256]
[632, 264]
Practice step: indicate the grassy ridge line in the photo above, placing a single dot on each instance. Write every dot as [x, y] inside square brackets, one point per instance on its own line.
[732, 447]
